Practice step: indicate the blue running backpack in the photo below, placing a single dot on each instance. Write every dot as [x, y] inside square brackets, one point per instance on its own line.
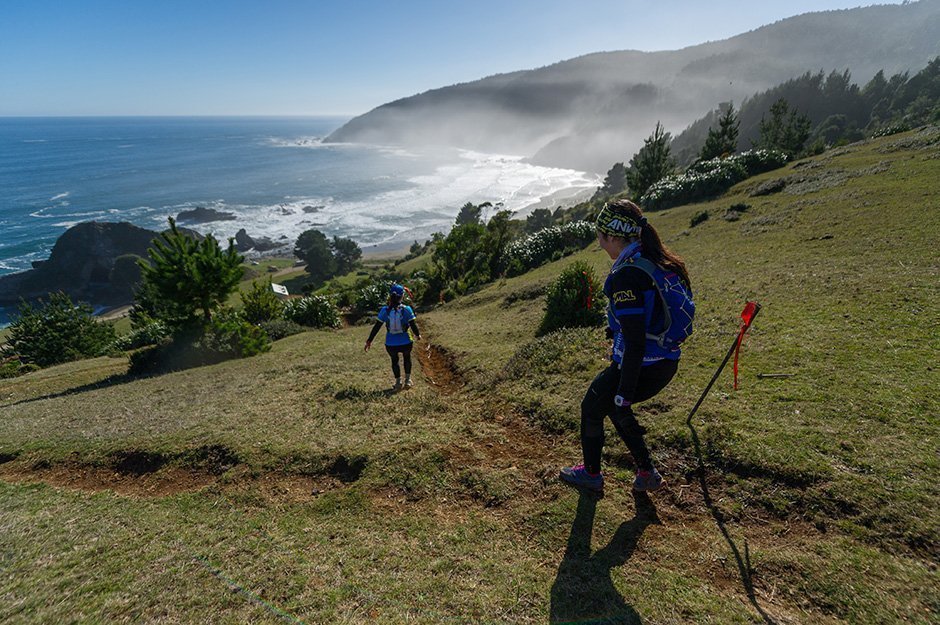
[676, 298]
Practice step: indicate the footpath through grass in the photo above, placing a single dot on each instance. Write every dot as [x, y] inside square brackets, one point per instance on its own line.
[290, 487]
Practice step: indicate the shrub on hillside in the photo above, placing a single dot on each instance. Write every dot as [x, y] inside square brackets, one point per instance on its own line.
[225, 337]
[314, 311]
[278, 329]
[58, 331]
[371, 297]
[261, 303]
[710, 178]
[547, 244]
[149, 334]
[575, 299]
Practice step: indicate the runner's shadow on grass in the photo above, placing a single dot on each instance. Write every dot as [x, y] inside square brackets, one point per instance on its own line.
[353, 393]
[584, 590]
[743, 562]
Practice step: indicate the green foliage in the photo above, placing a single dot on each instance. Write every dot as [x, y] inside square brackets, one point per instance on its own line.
[787, 129]
[14, 367]
[651, 163]
[538, 219]
[228, 336]
[276, 329]
[707, 179]
[540, 247]
[371, 297]
[261, 303]
[470, 255]
[313, 248]
[574, 300]
[471, 214]
[722, 141]
[150, 334]
[615, 182]
[346, 254]
[185, 276]
[224, 337]
[314, 311]
[58, 331]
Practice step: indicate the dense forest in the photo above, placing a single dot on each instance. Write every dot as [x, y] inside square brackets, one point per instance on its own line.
[838, 109]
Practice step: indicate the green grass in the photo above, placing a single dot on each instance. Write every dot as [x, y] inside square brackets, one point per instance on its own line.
[323, 499]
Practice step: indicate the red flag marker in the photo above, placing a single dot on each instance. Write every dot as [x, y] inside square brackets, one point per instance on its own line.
[747, 318]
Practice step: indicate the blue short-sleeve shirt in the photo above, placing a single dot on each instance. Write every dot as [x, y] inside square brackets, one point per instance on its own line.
[396, 322]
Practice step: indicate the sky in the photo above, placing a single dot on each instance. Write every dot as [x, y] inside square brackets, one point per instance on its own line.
[321, 57]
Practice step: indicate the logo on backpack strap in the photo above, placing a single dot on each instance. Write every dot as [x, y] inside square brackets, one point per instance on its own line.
[624, 296]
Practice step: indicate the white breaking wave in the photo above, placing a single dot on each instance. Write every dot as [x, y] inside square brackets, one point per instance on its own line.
[400, 216]
[60, 196]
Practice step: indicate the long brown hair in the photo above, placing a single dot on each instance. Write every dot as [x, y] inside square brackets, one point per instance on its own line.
[653, 247]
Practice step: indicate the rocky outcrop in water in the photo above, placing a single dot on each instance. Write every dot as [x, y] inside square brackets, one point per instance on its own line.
[202, 215]
[82, 265]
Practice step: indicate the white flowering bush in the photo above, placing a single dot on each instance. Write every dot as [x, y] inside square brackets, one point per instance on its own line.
[709, 178]
[547, 244]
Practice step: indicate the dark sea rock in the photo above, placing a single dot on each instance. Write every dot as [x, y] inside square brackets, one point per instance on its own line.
[202, 215]
[312, 209]
[244, 242]
[82, 263]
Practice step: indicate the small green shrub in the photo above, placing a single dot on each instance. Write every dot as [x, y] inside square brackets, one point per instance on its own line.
[698, 218]
[372, 297]
[13, 367]
[575, 299]
[261, 303]
[278, 329]
[58, 331]
[314, 311]
[150, 334]
[225, 337]
[231, 336]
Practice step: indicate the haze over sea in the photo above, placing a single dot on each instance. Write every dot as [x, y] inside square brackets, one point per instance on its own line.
[274, 174]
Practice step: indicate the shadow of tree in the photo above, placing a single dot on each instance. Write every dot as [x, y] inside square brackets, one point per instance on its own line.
[584, 590]
[112, 380]
[743, 562]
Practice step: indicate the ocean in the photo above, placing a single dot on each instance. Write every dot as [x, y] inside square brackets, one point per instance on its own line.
[274, 174]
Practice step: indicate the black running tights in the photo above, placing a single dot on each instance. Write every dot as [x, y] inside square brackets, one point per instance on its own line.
[599, 402]
[405, 351]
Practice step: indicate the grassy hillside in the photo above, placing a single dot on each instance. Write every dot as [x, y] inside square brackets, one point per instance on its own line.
[291, 487]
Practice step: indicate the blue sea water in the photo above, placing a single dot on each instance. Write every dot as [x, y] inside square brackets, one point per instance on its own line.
[274, 173]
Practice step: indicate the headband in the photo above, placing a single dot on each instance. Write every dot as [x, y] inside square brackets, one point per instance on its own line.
[618, 225]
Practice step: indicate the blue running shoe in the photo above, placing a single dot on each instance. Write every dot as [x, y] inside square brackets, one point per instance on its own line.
[579, 476]
[647, 481]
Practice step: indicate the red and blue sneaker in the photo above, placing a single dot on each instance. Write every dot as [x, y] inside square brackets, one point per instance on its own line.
[578, 476]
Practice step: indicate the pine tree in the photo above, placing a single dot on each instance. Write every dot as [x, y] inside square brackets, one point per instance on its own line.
[313, 248]
[185, 275]
[614, 183]
[651, 163]
[724, 139]
[787, 129]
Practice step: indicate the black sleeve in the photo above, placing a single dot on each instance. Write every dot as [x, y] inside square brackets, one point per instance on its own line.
[375, 330]
[628, 303]
[414, 328]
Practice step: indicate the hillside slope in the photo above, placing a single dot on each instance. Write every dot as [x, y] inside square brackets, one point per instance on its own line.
[291, 487]
[592, 111]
